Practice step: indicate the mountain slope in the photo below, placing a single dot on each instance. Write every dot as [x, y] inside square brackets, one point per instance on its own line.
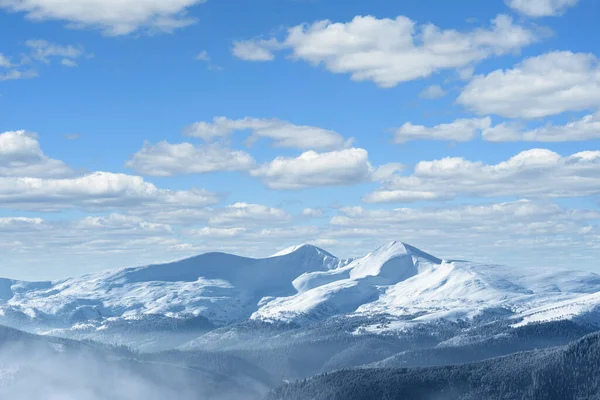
[569, 372]
[220, 287]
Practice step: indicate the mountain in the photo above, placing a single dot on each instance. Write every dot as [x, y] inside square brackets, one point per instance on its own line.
[36, 367]
[396, 288]
[221, 287]
[563, 373]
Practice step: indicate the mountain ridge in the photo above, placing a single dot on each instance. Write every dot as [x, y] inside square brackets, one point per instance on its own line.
[304, 284]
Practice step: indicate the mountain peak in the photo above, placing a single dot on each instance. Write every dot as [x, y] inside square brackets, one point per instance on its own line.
[397, 248]
[305, 247]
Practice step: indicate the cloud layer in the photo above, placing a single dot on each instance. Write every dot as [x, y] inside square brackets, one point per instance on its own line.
[536, 173]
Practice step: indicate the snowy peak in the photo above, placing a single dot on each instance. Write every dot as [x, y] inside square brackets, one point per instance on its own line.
[393, 262]
[302, 284]
[322, 294]
[304, 248]
[395, 249]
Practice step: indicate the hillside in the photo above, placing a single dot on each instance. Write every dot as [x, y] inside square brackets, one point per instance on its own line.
[564, 373]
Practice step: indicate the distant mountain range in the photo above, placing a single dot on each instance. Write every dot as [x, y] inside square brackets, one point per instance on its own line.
[303, 285]
[253, 324]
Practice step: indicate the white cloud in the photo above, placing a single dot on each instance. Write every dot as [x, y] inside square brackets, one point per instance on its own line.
[122, 225]
[282, 133]
[17, 224]
[522, 232]
[73, 247]
[536, 173]
[96, 191]
[541, 8]
[39, 52]
[540, 86]
[461, 130]
[248, 214]
[5, 61]
[68, 63]
[256, 50]
[15, 74]
[312, 169]
[21, 156]
[203, 56]
[390, 51]
[533, 231]
[166, 159]
[586, 128]
[234, 215]
[433, 92]
[312, 213]
[42, 50]
[113, 17]
[522, 217]
[212, 232]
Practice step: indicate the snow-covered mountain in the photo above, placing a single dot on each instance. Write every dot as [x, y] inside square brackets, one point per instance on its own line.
[221, 287]
[305, 284]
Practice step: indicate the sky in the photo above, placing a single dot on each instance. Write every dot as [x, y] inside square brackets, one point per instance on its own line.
[136, 132]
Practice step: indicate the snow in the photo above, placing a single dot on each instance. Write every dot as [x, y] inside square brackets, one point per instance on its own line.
[304, 284]
[223, 287]
[401, 281]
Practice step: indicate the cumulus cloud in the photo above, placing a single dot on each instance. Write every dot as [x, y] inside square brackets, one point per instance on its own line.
[461, 130]
[312, 169]
[586, 128]
[540, 8]
[282, 133]
[312, 213]
[433, 92]
[112, 17]
[96, 191]
[390, 51]
[541, 86]
[166, 159]
[533, 173]
[22, 156]
[247, 214]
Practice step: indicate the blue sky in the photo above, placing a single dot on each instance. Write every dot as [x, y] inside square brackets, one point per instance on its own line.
[133, 132]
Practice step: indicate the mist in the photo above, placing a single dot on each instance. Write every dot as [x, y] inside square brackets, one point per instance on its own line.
[55, 371]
